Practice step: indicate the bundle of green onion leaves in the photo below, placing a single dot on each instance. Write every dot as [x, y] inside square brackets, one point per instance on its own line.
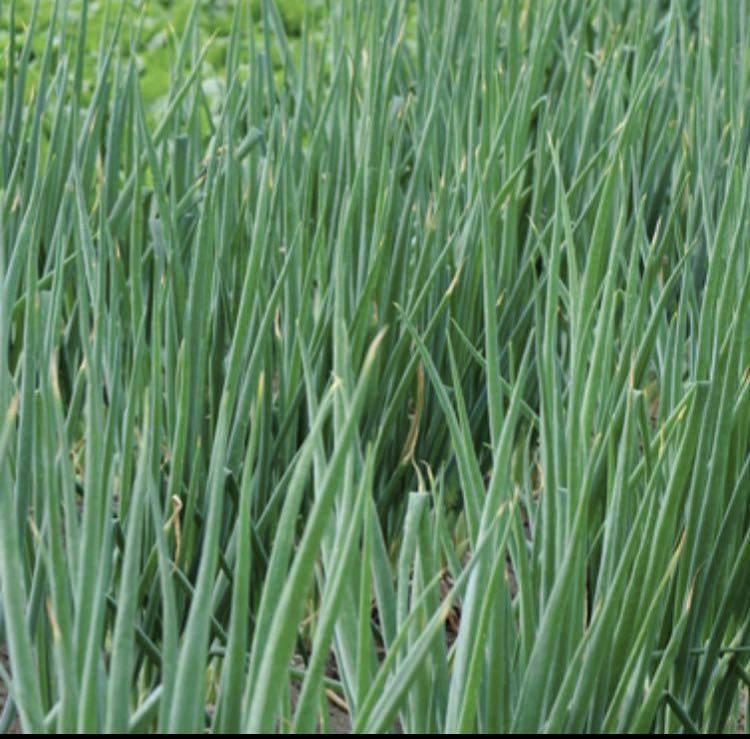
[387, 373]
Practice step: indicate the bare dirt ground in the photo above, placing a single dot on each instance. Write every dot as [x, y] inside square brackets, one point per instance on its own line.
[338, 718]
[15, 727]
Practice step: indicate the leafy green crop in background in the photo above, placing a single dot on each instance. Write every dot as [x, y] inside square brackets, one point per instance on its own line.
[392, 355]
[162, 23]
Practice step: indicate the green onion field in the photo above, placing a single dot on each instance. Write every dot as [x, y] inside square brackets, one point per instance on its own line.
[374, 366]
